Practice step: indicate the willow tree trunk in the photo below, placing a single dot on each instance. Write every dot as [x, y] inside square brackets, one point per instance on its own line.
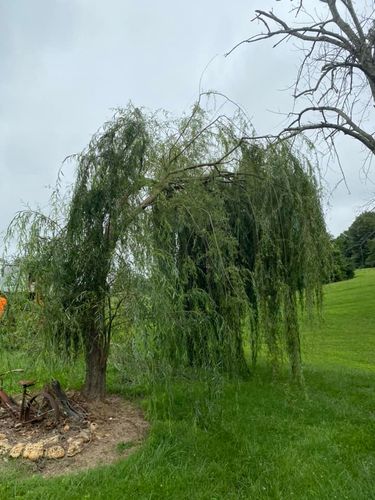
[96, 356]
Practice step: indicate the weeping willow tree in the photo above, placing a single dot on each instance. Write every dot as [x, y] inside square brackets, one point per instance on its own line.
[216, 229]
[74, 263]
[239, 252]
[283, 246]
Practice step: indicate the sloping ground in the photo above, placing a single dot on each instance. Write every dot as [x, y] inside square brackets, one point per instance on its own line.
[257, 439]
[346, 335]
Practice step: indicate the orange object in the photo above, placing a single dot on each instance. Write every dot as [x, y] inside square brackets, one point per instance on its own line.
[3, 304]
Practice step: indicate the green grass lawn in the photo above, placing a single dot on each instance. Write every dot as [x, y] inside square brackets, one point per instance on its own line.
[257, 439]
[346, 337]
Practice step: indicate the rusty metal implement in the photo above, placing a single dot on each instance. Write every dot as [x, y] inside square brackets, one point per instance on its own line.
[33, 408]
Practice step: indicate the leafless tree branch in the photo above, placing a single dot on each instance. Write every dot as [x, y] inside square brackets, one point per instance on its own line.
[336, 80]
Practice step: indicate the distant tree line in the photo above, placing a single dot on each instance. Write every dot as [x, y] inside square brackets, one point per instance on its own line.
[354, 248]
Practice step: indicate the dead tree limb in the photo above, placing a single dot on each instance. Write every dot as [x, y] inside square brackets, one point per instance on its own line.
[335, 84]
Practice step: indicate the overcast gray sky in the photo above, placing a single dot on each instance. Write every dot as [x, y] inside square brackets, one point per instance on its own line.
[66, 63]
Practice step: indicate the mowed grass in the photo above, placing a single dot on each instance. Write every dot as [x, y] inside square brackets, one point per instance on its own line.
[257, 439]
[345, 338]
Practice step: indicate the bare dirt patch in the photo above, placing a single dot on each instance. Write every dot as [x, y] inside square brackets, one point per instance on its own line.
[112, 429]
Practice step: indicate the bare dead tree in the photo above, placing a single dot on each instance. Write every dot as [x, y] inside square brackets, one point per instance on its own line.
[335, 83]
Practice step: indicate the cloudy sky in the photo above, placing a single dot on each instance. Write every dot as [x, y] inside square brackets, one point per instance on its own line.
[65, 64]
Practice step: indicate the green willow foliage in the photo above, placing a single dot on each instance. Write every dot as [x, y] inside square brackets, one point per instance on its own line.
[236, 253]
[74, 263]
[188, 234]
[292, 247]
[203, 290]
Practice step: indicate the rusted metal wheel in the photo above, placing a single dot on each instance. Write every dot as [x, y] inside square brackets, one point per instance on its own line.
[40, 407]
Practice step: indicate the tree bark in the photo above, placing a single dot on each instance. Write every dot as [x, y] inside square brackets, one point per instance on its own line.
[96, 368]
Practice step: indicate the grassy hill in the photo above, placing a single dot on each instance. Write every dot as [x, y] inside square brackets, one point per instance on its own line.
[346, 336]
[257, 439]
